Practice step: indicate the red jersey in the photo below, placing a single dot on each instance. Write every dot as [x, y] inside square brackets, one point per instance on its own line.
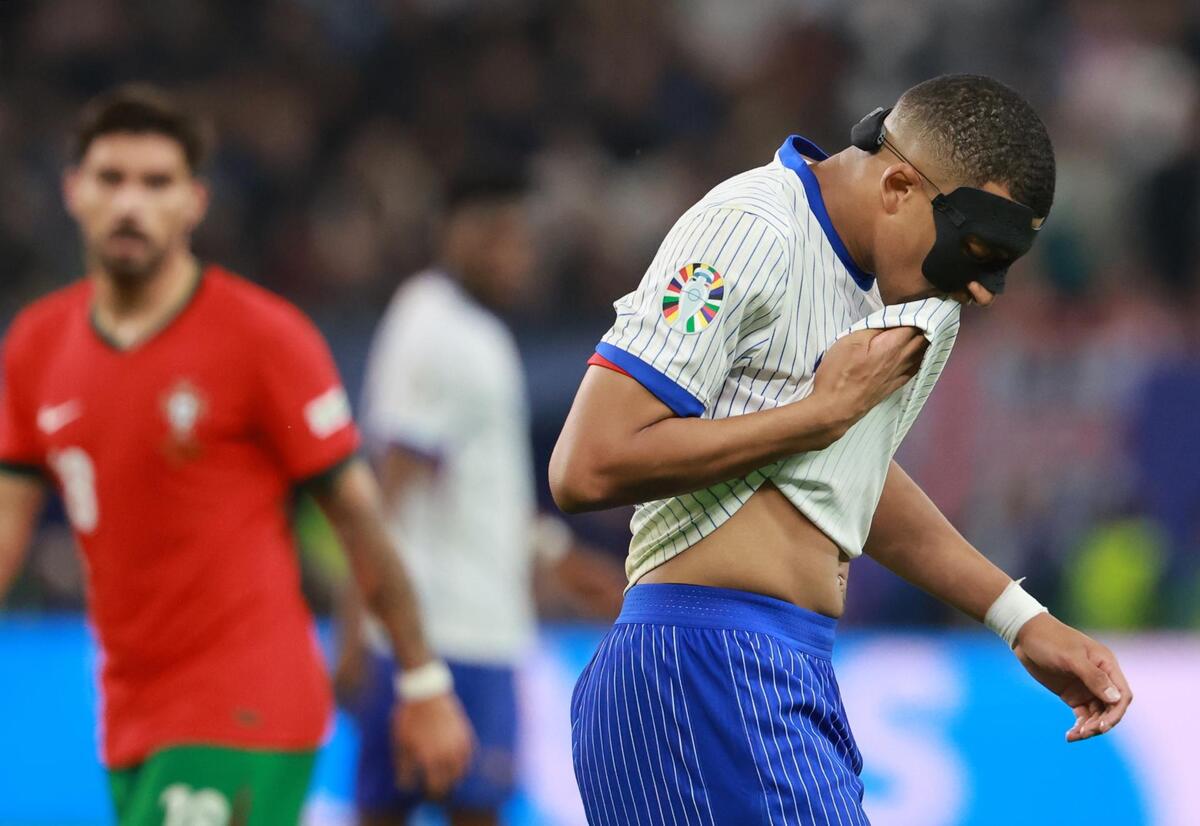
[176, 460]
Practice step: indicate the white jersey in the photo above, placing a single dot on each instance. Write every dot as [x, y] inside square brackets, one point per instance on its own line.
[444, 380]
[745, 294]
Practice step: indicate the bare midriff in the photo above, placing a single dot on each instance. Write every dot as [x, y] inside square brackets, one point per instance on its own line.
[767, 547]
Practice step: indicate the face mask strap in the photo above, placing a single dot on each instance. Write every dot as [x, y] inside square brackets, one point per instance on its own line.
[942, 204]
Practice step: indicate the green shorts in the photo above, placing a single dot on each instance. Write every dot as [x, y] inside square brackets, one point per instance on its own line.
[213, 786]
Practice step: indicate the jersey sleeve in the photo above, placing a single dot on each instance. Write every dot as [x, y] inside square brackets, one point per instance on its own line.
[20, 448]
[425, 387]
[303, 411]
[714, 279]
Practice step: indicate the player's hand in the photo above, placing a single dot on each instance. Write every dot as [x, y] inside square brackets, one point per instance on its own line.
[864, 368]
[1082, 672]
[433, 744]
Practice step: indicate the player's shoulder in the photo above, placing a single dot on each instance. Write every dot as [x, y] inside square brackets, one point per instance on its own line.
[424, 293]
[766, 194]
[433, 307]
[251, 310]
[47, 316]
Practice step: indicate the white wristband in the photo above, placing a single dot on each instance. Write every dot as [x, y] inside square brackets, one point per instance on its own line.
[1011, 610]
[422, 683]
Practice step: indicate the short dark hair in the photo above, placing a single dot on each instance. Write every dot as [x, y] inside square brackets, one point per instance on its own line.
[978, 130]
[141, 108]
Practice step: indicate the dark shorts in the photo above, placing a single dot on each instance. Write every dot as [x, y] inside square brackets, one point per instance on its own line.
[711, 706]
[210, 784]
[488, 695]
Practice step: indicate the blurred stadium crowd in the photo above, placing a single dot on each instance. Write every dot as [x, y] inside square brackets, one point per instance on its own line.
[1063, 439]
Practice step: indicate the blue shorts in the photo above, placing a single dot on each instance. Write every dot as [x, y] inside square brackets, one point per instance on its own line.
[715, 707]
[488, 695]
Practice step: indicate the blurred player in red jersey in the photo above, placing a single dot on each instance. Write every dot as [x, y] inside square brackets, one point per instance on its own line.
[176, 407]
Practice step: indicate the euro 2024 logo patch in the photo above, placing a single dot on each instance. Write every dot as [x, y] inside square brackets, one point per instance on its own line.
[693, 297]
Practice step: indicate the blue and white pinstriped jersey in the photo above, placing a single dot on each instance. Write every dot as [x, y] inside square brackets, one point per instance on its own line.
[838, 488]
[746, 292]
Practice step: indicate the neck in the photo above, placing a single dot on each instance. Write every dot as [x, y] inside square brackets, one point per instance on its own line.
[841, 182]
[127, 310]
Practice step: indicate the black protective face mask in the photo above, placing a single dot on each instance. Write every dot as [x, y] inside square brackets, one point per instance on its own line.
[1004, 228]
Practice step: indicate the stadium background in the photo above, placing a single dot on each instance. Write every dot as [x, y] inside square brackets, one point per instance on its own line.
[1063, 437]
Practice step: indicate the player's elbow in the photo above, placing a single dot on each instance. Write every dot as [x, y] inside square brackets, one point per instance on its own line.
[578, 481]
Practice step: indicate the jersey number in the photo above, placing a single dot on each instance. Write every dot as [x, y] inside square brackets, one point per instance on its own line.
[77, 475]
[202, 807]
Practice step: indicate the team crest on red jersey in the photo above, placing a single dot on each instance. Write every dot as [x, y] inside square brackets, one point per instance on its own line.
[183, 407]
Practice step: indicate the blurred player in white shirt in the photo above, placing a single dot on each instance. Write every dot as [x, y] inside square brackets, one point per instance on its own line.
[446, 419]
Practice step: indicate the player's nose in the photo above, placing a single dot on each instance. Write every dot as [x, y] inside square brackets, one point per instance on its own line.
[128, 201]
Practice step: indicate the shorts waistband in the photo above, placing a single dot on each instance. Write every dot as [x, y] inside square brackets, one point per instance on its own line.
[699, 606]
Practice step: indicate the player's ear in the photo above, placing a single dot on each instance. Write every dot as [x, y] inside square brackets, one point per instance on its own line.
[70, 190]
[197, 203]
[898, 183]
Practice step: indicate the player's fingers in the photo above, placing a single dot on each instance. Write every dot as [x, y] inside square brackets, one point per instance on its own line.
[1107, 683]
[1096, 679]
[1115, 711]
[1081, 715]
[915, 348]
[1106, 661]
[441, 775]
[444, 769]
[408, 775]
[404, 756]
[910, 356]
[858, 339]
[1090, 727]
[1111, 715]
[459, 766]
[1084, 710]
[892, 341]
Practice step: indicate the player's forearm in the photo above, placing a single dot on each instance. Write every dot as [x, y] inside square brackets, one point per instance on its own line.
[387, 593]
[354, 508]
[351, 615]
[11, 557]
[21, 500]
[913, 539]
[677, 455]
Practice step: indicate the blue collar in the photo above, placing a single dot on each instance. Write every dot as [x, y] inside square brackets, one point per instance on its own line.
[792, 155]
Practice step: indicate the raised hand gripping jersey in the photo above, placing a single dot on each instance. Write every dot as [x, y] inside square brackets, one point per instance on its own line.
[176, 460]
[745, 294]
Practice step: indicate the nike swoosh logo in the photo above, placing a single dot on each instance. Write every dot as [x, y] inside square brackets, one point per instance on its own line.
[53, 419]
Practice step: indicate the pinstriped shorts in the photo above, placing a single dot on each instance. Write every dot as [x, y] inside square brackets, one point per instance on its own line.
[714, 707]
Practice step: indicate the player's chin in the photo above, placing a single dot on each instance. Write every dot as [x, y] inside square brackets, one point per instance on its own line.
[131, 266]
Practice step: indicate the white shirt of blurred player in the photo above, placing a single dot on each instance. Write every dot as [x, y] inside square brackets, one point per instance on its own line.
[780, 288]
[444, 380]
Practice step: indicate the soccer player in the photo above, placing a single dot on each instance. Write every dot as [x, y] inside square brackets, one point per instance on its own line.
[176, 407]
[750, 397]
[445, 416]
